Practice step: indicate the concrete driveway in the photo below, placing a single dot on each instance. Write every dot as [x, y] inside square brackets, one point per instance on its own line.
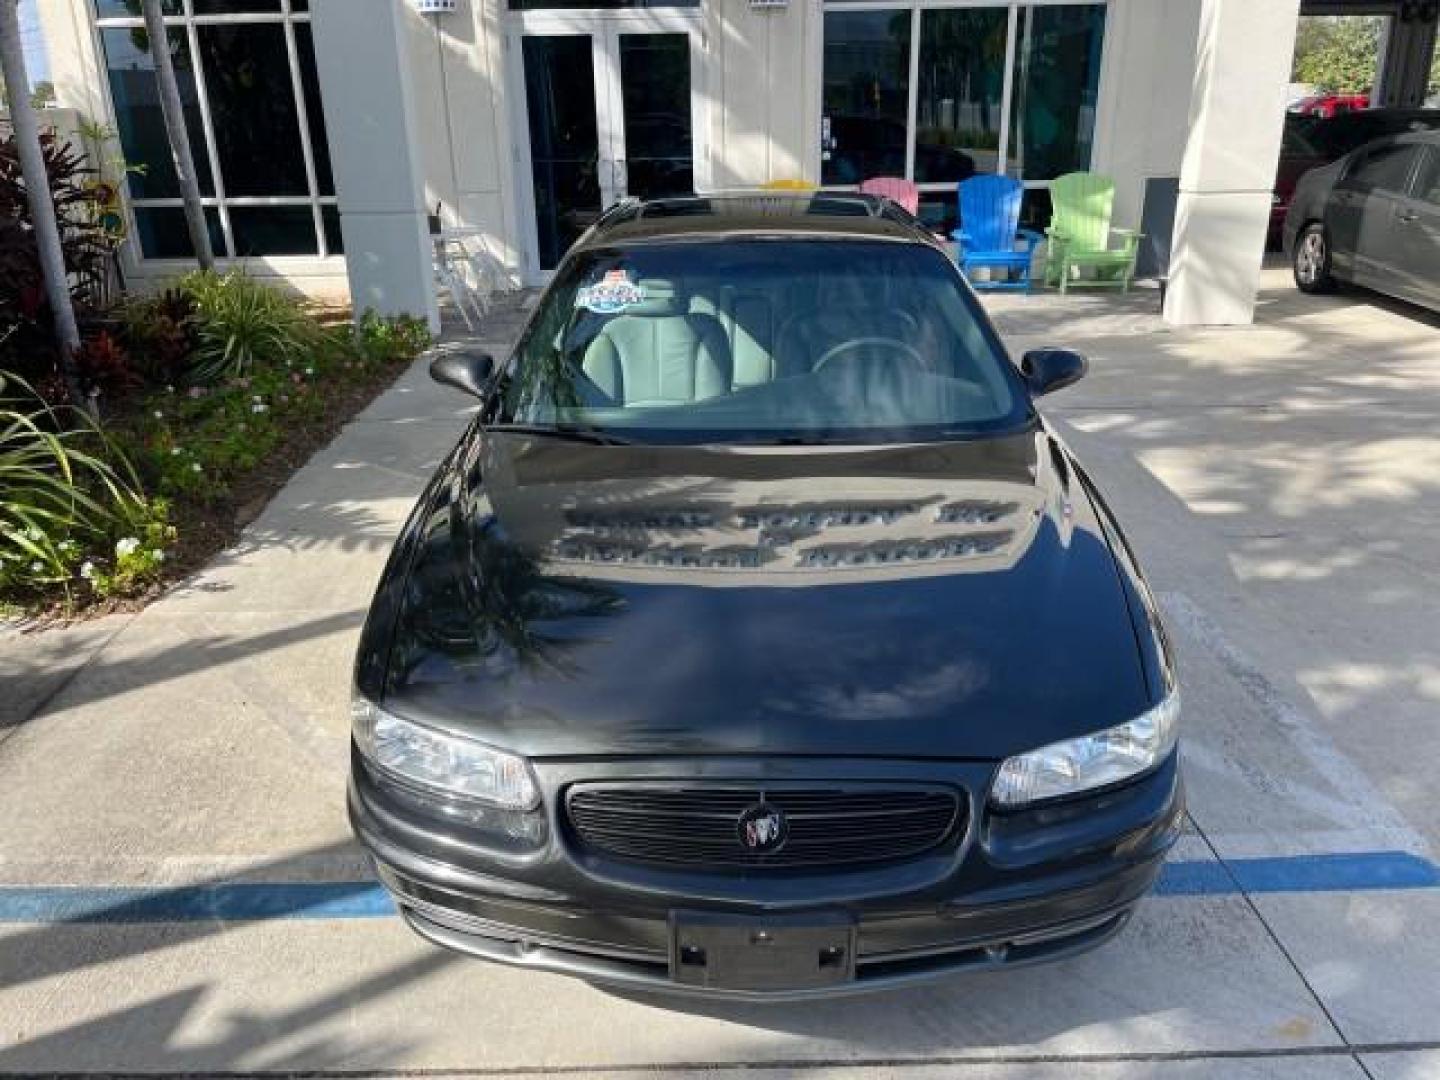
[181, 772]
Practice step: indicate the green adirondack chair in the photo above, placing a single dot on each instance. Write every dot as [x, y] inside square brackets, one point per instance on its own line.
[1079, 235]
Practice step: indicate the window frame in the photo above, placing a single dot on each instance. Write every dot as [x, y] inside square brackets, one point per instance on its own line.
[188, 22]
[916, 8]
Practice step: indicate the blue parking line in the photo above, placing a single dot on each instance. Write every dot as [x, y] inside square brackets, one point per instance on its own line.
[1370, 871]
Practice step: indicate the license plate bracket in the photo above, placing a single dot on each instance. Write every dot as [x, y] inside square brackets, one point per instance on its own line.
[719, 951]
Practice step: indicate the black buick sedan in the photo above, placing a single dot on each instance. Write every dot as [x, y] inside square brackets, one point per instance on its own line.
[759, 638]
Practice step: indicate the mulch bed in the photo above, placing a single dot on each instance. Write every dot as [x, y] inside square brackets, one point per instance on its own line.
[207, 528]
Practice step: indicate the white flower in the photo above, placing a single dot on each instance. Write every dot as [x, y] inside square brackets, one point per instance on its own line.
[158, 555]
[126, 546]
[169, 389]
[258, 407]
[174, 451]
[36, 567]
[159, 415]
[67, 545]
[33, 533]
[195, 466]
[87, 571]
[309, 371]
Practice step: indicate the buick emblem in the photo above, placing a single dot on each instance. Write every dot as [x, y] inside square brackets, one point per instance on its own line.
[762, 829]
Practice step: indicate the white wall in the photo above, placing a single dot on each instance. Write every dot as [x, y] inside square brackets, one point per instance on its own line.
[765, 86]
[1146, 78]
[459, 76]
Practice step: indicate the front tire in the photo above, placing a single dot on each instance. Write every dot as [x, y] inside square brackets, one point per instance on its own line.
[1311, 261]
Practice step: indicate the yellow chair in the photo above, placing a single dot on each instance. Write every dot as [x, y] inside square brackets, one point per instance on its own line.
[788, 185]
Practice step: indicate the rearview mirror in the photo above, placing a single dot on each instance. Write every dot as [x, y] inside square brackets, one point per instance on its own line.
[1050, 369]
[470, 372]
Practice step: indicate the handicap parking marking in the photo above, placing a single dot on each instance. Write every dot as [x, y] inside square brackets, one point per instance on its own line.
[1372, 871]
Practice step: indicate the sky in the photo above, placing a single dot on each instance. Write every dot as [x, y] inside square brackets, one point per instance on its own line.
[36, 61]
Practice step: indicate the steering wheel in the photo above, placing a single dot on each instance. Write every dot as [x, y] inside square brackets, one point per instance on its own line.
[908, 351]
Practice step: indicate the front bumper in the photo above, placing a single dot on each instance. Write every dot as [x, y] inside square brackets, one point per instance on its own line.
[1010, 892]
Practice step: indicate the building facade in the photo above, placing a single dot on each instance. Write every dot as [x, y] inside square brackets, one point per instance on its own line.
[327, 131]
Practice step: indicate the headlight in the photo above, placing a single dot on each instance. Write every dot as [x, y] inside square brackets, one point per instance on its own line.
[445, 763]
[1078, 765]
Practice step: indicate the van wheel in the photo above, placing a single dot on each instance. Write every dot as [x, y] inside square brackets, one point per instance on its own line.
[1312, 260]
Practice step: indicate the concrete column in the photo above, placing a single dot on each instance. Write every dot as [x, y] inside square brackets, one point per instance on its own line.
[1405, 72]
[1237, 107]
[363, 63]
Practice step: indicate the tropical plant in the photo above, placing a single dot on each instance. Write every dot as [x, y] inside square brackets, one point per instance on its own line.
[162, 335]
[64, 488]
[43, 212]
[26, 305]
[241, 323]
[104, 366]
[173, 112]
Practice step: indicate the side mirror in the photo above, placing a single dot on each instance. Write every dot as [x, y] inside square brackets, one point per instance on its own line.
[1051, 369]
[470, 372]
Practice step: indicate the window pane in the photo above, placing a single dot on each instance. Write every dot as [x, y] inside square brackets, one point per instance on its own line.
[138, 119]
[1057, 79]
[962, 83]
[113, 9]
[1384, 169]
[273, 230]
[940, 211]
[867, 80]
[564, 140]
[540, 5]
[655, 85]
[330, 220]
[163, 234]
[229, 7]
[314, 111]
[1427, 183]
[252, 105]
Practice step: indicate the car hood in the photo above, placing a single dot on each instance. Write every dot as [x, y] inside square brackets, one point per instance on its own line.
[953, 600]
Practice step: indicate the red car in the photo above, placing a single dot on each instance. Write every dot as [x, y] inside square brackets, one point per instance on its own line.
[1326, 106]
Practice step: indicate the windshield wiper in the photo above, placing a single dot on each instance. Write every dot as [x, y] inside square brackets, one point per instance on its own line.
[570, 432]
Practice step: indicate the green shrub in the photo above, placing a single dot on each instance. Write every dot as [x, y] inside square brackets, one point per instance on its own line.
[65, 492]
[242, 324]
[383, 340]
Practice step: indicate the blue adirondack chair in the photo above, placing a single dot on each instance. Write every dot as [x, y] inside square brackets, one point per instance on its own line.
[989, 234]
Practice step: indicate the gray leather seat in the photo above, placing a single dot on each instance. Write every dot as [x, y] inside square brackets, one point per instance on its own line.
[659, 352]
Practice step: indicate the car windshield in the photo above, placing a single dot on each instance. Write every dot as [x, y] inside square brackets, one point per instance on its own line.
[771, 340]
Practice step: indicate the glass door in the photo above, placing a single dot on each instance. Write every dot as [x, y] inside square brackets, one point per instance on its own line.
[611, 109]
[565, 159]
[656, 147]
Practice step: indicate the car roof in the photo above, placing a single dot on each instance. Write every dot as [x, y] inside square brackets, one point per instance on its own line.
[1426, 138]
[755, 214]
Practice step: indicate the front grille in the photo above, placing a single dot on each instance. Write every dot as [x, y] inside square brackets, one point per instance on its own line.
[698, 825]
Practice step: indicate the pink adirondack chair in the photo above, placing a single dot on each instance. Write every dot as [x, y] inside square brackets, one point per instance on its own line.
[895, 189]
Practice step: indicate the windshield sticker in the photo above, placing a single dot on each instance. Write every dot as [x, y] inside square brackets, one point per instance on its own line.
[611, 294]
